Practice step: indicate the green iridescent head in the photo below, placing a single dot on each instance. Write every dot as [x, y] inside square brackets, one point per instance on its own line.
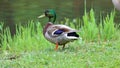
[50, 14]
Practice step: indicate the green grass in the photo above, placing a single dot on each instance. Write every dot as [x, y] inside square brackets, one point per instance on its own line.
[99, 47]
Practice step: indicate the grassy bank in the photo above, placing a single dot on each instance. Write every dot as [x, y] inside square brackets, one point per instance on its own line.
[28, 48]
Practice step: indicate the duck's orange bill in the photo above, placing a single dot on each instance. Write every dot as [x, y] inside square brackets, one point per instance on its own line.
[56, 48]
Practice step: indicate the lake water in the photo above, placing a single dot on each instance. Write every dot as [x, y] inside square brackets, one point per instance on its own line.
[21, 11]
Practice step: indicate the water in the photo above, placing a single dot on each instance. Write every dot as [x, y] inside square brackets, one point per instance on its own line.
[21, 11]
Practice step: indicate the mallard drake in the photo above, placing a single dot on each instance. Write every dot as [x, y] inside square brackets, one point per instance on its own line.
[116, 3]
[57, 33]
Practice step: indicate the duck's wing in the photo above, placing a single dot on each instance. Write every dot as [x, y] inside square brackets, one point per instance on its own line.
[56, 30]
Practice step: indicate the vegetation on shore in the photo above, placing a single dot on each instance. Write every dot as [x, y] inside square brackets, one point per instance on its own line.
[99, 47]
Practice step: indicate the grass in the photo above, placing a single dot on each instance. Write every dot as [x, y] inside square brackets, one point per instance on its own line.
[99, 47]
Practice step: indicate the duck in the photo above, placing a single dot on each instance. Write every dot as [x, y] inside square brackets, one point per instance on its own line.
[57, 34]
[116, 4]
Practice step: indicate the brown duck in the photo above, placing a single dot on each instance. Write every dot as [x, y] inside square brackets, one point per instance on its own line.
[57, 33]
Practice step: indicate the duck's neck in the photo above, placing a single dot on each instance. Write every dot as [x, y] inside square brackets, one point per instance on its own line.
[46, 26]
[52, 20]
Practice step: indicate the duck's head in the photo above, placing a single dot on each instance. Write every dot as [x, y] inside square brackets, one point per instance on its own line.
[50, 14]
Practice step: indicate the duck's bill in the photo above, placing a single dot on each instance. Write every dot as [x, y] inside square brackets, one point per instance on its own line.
[41, 16]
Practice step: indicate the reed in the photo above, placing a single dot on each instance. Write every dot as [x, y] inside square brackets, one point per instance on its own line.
[27, 38]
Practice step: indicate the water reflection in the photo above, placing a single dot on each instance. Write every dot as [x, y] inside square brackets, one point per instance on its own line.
[20, 11]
